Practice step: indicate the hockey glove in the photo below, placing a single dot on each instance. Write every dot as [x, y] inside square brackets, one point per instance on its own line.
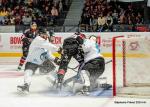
[57, 61]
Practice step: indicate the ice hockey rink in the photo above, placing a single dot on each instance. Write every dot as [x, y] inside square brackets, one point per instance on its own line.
[40, 95]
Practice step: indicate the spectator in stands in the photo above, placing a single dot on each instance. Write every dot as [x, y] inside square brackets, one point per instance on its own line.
[54, 14]
[132, 19]
[93, 23]
[6, 21]
[3, 14]
[121, 14]
[101, 22]
[139, 19]
[9, 11]
[39, 21]
[12, 20]
[129, 10]
[115, 16]
[122, 19]
[45, 10]
[27, 19]
[17, 9]
[17, 19]
[86, 21]
[109, 22]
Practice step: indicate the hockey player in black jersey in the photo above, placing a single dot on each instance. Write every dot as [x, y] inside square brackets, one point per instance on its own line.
[27, 38]
[71, 48]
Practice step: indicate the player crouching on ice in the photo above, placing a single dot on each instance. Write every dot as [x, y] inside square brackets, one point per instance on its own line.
[40, 50]
[87, 53]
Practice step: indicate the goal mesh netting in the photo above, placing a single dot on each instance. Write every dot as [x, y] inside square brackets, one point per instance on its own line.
[131, 62]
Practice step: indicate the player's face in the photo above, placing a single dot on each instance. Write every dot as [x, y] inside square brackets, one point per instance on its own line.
[34, 27]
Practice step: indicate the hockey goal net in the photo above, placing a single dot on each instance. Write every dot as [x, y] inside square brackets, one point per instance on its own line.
[131, 62]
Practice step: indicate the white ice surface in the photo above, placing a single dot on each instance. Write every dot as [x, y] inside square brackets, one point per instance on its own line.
[39, 94]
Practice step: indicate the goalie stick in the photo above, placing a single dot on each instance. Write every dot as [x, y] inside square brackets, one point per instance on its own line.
[73, 68]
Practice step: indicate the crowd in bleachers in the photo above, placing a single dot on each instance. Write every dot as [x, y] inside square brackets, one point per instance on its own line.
[23, 12]
[100, 15]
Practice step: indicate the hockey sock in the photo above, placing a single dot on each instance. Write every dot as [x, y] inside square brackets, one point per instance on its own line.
[22, 60]
[60, 75]
[28, 76]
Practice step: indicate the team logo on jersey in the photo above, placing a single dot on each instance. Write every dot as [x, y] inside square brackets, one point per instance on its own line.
[134, 45]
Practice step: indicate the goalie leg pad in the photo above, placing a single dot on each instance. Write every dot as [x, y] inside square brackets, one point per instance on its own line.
[95, 67]
[85, 77]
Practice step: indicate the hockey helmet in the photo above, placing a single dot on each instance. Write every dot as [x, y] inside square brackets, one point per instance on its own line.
[80, 38]
[42, 31]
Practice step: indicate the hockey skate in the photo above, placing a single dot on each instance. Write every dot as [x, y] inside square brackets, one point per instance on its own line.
[86, 90]
[59, 86]
[106, 86]
[24, 88]
[54, 81]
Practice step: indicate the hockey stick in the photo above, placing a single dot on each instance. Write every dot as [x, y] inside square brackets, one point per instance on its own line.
[73, 77]
[100, 90]
[73, 67]
[108, 61]
[78, 66]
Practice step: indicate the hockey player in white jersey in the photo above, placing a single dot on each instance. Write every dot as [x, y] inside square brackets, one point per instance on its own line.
[93, 66]
[40, 50]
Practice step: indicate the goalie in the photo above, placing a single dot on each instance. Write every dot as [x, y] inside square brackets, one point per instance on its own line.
[40, 50]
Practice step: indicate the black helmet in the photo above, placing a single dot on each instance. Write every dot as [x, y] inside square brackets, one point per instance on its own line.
[42, 31]
[80, 38]
[33, 23]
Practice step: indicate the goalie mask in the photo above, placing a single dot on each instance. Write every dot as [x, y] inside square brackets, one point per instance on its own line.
[93, 38]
